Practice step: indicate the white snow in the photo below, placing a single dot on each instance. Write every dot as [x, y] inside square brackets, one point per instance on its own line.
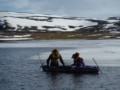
[112, 21]
[13, 39]
[109, 25]
[57, 22]
[115, 32]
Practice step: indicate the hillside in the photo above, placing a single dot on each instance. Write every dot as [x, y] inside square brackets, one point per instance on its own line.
[31, 23]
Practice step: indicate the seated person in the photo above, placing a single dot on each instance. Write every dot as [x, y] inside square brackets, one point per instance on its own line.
[77, 60]
[54, 58]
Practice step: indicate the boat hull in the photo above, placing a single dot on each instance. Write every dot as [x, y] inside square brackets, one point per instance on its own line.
[70, 69]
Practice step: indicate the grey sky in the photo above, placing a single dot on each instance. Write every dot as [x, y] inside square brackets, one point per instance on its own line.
[80, 8]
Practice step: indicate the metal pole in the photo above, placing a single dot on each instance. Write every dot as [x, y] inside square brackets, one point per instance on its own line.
[40, 62]
[96, 64]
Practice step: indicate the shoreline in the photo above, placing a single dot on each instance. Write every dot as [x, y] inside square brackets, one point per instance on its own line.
[60, 35]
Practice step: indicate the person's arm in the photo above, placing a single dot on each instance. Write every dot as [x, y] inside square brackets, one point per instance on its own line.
[82, 62]
[48, 60]
[61, 60]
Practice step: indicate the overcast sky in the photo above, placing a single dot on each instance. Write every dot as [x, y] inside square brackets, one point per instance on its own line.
[80, 8]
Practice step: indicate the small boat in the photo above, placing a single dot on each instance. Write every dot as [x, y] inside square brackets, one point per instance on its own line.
[72, 69]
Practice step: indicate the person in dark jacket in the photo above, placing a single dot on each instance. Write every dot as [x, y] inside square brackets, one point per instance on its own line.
[54, 57]
[77, 60]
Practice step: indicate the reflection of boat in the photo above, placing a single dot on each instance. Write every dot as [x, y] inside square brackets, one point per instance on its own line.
[69, 69]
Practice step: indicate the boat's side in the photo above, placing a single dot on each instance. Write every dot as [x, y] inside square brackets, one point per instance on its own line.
[69, 69]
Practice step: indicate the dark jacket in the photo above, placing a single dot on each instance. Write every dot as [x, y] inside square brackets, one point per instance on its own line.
[79, 62]
[53, 61]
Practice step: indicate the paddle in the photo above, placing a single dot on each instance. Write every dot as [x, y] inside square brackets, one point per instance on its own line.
[40, 62]
[96, 64]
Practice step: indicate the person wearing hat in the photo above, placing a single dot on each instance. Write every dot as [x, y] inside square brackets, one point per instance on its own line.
[77, 60]
[54, 58]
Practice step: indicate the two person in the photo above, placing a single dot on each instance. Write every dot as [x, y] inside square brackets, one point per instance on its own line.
[55, 57]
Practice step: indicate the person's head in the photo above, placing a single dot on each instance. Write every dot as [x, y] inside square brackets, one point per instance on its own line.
[55, 52]
[76, 55]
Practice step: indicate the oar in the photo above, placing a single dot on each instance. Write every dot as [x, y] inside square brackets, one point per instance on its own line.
[40, 62]
[96, 64]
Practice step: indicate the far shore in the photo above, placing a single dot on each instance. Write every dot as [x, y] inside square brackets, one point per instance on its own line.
[61, 35]
[72, 35]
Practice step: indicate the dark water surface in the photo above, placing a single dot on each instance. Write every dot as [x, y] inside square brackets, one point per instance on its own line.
[19, 72]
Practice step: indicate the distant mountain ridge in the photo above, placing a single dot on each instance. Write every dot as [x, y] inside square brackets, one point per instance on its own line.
[29, 22]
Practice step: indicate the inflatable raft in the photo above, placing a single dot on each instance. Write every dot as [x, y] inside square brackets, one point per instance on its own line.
[71, 69]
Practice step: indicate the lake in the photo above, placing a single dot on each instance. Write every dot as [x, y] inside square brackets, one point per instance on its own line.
[19, 65]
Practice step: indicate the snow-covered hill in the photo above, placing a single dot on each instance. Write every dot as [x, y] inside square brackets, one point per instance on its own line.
[39, 22]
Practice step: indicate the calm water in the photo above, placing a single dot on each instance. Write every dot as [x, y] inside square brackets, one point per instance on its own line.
[19, 70]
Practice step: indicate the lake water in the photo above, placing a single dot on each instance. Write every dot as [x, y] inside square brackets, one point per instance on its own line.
[19, 65]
